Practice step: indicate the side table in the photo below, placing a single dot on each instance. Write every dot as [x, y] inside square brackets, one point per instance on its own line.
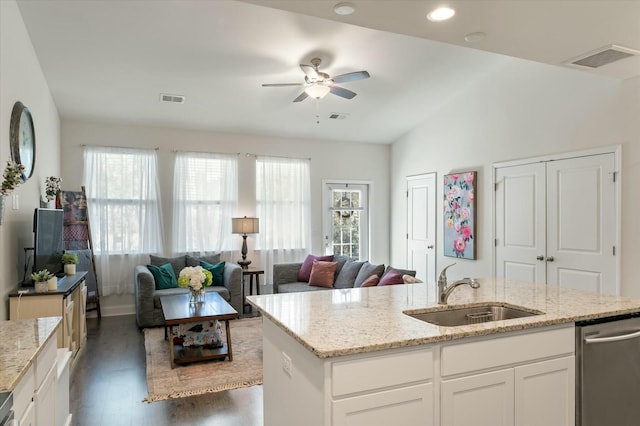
[250, 272]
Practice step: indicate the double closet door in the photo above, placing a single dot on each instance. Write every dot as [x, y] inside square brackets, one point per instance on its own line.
[556, 223]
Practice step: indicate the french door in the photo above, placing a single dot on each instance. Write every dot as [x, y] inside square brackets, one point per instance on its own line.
[346, 219]
[556, 223]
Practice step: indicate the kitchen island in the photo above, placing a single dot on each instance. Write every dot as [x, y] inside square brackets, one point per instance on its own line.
[354, 357]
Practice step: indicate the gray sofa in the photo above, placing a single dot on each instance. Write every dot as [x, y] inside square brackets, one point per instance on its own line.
[285, 275]
[147, 298]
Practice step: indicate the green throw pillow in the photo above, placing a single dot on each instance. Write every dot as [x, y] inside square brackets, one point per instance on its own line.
[164, 276]
[216, 270]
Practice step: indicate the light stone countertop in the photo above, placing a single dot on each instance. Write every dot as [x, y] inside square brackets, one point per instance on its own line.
[332, 323]
[20, 343]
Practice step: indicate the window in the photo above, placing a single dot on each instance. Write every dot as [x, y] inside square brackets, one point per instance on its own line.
[346, 219]
[284, 208]
[123, 197]
[205, 196]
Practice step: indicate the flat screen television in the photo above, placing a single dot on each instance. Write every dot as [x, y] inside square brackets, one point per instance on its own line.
[48, 245]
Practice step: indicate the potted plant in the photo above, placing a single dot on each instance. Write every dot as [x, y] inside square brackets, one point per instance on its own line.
[70, 261]
[43, 280]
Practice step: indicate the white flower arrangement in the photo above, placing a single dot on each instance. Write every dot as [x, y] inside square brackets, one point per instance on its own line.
[52, 186]
[195, 278]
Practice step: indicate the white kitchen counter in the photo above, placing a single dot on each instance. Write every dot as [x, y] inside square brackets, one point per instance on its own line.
[351, 321]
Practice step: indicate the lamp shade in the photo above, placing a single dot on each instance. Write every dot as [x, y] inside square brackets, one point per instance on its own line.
[245, 225]
[317, 91]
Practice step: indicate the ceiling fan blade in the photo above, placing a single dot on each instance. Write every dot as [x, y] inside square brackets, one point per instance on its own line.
[342, 92]
[309, 71]
[281, 84]
[301, 97]
[352, 76]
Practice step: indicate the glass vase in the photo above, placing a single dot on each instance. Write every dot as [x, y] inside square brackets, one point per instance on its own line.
[196, 297]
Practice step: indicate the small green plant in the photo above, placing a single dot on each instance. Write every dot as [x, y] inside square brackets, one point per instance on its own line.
[42, 276]
[69, 258]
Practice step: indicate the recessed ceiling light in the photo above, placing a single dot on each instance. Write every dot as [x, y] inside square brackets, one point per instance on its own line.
[441, 14]
[344, 9]
[475, 37]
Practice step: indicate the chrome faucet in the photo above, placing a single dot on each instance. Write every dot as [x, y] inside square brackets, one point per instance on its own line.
[444, 291]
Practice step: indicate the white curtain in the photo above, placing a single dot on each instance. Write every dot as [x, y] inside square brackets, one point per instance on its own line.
[123, 200]
[284, 209]
[205, 196]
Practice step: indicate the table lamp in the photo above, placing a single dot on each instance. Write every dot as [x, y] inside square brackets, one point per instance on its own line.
[245, 225]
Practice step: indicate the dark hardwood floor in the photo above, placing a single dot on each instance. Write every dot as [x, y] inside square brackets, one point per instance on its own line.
[108, 384]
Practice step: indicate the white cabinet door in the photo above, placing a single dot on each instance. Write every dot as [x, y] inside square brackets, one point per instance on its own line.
[411, 405]
[479, 400]
[520, 223]
[545, 393]
[421, 226]
[45, 399]
[29, 416]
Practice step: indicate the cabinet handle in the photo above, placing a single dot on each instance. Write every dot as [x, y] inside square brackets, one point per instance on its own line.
[540, 258]
[550, 259]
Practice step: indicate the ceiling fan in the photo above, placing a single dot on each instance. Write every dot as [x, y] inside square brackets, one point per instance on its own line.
[317, 84]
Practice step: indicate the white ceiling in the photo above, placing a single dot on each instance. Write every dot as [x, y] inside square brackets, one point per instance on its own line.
[108, 61]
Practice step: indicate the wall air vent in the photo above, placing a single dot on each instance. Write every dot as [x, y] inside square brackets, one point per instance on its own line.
[603, 56]
[176, 99]
[338, 115]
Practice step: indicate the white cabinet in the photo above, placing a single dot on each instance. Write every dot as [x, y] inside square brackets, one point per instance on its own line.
[545, 393]
[45, 398]
[479, 400]
[412, 404]
[523, 388]
[29, 415]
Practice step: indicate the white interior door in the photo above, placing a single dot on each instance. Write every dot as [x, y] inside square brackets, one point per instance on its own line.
[581, 223]
[421, 226]
[520, 222]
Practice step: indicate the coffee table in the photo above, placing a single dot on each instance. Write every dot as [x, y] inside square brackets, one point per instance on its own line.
[176, 310]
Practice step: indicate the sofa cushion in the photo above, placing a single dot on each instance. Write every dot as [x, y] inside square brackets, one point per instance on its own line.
[297, 286]
[347, 275]
[342, 260]
[322, 274]
[217, 271]
[163, 276]
[408, 279]
[391, 278]
[401, 271]
[372, 281]
[305, 270]
[366, 271]
[211, 258]
[177, 263]
[222, 291]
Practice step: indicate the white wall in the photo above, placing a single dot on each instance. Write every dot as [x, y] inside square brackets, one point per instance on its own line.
[521, 109]
[329, 160]
[21, 79]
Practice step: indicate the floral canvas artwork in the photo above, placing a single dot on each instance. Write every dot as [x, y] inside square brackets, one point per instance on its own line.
[459, 215]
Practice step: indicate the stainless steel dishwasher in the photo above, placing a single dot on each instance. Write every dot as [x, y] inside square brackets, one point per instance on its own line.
[608, 372]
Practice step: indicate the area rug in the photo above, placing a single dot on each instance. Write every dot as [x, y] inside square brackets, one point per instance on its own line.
[207, 376]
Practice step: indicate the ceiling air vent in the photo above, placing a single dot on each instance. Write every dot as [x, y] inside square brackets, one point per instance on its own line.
[603, 56]
[176, 99]
[338, 116]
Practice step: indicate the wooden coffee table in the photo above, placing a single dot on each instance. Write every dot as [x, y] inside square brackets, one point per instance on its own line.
[176, 310]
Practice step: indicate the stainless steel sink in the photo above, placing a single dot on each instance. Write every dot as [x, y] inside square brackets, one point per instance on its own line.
[454, 317]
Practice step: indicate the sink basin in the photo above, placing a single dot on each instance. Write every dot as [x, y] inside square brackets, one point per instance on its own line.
[454, 317]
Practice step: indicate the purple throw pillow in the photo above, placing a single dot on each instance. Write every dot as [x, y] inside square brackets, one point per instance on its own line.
[391, 278]
[305, 271]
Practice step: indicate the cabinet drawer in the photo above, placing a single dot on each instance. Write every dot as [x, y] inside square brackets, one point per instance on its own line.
[494, 352]
[365, 374]
[45, 360]
[23, 393]
[408, 406]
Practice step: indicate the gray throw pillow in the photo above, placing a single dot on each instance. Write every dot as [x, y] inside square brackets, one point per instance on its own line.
[177, 263]
[401, 271]
[366, 271]
[341, 260]
[211, 258]
[347, 276]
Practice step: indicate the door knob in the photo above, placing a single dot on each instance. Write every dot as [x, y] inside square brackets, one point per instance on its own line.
[540, 258]
[430, 247]
[550, 259]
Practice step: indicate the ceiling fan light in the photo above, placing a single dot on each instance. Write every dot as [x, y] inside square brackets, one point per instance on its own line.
[317, 91]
